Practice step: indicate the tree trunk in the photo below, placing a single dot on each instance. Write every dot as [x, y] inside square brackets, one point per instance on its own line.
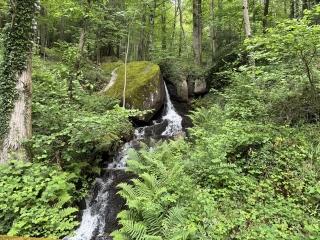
[212, 31]
[246, 18]
[82, 40]
[197, 32]
[174, 24]
[304, 5]
[16, 85]
[62, 26]
[20, 126]
[163, 27]
[292, 15]
[182, 35]
[43, 34]
[151, 34]
[141, 45]
[265, 14]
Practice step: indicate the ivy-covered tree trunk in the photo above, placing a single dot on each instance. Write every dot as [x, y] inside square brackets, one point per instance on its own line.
[15, 81]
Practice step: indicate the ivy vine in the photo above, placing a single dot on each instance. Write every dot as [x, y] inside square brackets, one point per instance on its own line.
[18, 35]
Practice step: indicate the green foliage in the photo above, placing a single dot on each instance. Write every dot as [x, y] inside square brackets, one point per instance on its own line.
[154, 208]
[237, 178]
[36, 200]
[283, 85]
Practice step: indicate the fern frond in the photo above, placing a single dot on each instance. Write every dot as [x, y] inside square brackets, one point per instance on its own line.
[127, 215]
[151, 182]
[136, 230]
[173, 219]
[150, 237]
[64, 197]
[135, 204]
[135, 166]
[127, 191]
[66, 212]
[182, 234]
[119, 235]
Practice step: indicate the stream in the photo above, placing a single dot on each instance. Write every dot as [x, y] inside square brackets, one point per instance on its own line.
[99, 217]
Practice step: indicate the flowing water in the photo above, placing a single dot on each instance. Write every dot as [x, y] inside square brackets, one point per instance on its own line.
[93, 224]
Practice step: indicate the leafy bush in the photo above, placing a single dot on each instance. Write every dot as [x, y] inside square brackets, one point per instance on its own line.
[36, 200]
[234, 179]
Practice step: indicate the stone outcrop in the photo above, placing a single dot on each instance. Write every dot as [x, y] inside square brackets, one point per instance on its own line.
[144, 88]
[182, 88]
[197, 87]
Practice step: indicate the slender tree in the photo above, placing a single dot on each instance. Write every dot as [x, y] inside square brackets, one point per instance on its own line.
[212, 31]
[141, 44]
[246, 18]
[82, 40]
[197, 31]
[152, 16]
[15, 80]
[182, 35]
[265, 14]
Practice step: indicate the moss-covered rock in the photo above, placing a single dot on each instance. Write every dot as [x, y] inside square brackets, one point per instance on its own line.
[22, 238]
[144, 88]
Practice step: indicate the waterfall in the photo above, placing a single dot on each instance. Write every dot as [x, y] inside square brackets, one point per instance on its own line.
[93, 222]
[174, 119]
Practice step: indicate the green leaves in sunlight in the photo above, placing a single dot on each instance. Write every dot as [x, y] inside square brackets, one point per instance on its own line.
[35, 200]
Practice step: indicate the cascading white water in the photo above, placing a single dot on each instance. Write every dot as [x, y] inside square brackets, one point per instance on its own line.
[174, 119]
[93, 218]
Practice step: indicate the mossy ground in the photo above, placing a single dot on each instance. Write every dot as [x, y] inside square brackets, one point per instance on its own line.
[142, 78]
[22, 238]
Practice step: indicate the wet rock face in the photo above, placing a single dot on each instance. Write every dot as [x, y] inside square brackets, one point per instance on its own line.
[181, 107]
[115, 202]
[197, 87]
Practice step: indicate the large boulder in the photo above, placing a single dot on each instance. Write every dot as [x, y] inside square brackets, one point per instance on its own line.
[144, 87]
[197, 86]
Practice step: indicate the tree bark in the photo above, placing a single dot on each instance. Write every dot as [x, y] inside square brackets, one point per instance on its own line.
[163, 27]
[16, 84]
[151, 34]
[292, 12]
[141, 45]
[182, 35]
[62, 26]
[82, 41]
[212, 31]
[174, 24]
[265, 14]
[197, 32]
[43, 34]
[20, 126]
[246, 18]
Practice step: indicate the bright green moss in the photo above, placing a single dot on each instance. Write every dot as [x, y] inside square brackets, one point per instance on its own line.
[22, 238]
[142, 79]
[109, 67]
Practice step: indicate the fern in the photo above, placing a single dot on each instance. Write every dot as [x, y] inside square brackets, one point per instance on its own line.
[127, 191]
[119, 235]
[182, 234]
[136, 230]
[67, 212]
